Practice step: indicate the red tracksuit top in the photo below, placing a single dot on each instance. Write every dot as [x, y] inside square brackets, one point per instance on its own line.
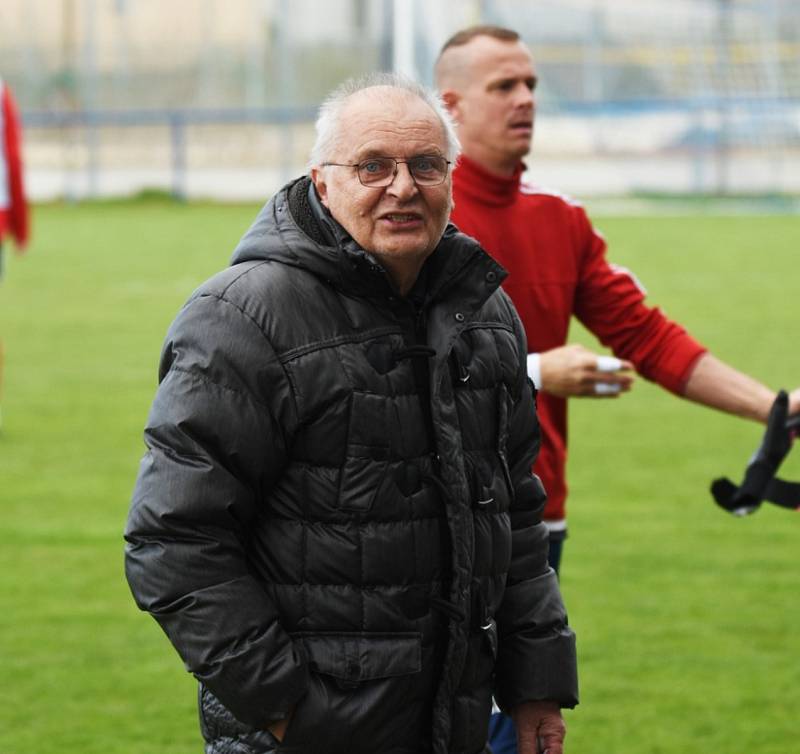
[557, 267]
[13, 206]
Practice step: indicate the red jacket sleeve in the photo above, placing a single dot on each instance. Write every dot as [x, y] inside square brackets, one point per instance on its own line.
[609, 301]
[18, 210]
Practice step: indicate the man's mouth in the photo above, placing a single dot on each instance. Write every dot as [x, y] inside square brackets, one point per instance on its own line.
[401, 217]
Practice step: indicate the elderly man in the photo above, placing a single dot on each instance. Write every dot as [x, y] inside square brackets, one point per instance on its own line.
[335, 522]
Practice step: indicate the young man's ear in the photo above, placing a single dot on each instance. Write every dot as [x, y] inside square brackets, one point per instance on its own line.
[318, 179]
[451, 102]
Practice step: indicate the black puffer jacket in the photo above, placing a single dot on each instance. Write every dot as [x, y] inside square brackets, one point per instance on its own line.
[335, 514]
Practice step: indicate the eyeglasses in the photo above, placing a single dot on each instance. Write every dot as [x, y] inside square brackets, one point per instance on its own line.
[379, 172]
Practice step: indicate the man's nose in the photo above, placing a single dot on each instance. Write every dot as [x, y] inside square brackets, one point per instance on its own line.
[403, 184]
[524, 96]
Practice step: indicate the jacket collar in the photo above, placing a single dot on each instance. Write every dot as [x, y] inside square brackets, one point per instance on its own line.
[293, 228]
[470, 179]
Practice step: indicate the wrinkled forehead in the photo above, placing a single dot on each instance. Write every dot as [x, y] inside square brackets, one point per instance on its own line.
[388, 121]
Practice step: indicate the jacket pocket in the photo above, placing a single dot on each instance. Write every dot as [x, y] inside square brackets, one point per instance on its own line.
[364, 694]
[356, 657]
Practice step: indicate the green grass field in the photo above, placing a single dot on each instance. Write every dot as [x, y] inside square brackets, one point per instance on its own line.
[685, 615]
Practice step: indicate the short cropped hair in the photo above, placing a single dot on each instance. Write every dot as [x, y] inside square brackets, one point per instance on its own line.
[450, 64]
[486, 30]
[329, 128]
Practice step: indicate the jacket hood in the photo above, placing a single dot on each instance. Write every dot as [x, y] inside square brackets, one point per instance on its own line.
[294, 228]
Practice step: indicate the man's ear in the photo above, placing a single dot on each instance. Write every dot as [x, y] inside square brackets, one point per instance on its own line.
[452, 102]
[318, 179]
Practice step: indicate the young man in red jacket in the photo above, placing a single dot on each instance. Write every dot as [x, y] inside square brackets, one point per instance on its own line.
[558, 267]
[13, 206]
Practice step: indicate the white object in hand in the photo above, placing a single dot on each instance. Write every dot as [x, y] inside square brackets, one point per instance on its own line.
[606, 388]
[608, 364]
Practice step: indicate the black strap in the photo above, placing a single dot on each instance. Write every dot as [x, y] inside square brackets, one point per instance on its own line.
[759, 483]
[785, 494]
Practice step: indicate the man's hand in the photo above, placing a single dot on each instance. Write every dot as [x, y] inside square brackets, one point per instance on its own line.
[278, 728]
[540, 728]
[572, 370]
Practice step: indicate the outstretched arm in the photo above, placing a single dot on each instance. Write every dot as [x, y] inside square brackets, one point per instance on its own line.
[716, 384]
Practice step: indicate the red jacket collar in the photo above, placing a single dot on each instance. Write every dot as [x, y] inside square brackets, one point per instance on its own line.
[472, 180]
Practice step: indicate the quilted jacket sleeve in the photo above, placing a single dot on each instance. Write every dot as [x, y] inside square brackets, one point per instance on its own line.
[536, 656]
[215, 444]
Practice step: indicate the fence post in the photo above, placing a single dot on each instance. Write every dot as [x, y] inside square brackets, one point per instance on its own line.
[177, 124]
[723, 93]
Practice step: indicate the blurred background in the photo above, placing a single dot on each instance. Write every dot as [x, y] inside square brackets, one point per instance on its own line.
[216, 98]
[153, 132]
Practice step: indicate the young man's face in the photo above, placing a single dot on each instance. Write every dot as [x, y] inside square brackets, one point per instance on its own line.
[402, 223]
[492, 101]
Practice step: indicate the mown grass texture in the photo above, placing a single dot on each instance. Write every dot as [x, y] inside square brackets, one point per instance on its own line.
[686, 616]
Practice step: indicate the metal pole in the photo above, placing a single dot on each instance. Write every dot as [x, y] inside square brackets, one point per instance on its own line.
[68, 94]
[177, 129]
[772, 63]
[593, 71]
[90, 99]
[286, 88]
[254, 82]
[387, 43]
[403, 38]
[724, 20]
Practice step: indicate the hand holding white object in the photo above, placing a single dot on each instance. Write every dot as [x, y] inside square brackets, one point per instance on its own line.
[573, 370]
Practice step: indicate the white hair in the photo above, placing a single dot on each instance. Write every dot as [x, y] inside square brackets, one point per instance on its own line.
[330, 129]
